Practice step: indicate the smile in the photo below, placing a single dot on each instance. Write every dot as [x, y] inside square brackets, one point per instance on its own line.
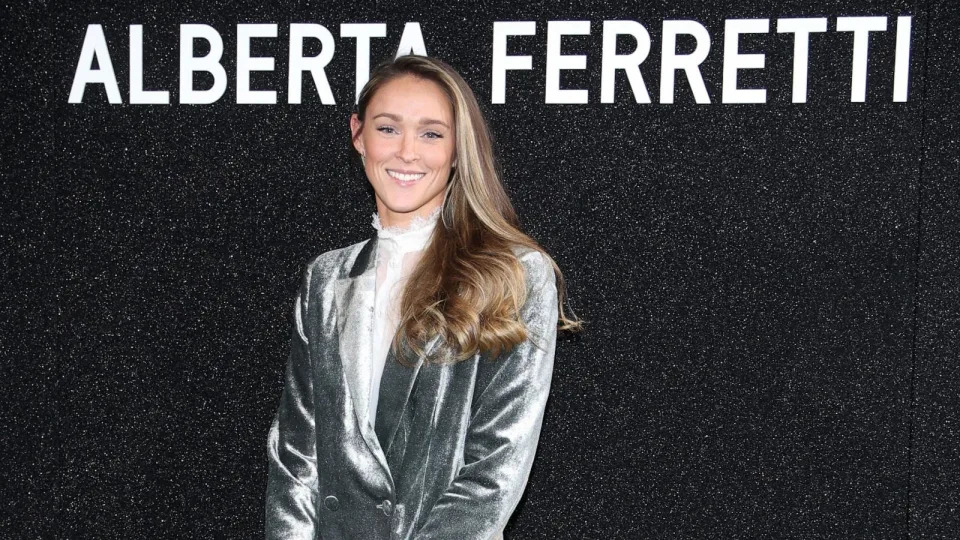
[405, 177]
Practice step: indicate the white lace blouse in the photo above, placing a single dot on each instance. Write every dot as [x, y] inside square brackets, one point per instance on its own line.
[398, 250]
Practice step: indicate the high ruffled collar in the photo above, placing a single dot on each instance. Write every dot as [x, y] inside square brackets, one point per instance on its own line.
[415, 235]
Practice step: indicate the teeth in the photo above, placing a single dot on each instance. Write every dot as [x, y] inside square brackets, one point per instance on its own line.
[405, 177]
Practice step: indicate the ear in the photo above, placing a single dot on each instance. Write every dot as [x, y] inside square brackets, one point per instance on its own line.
[355, 125]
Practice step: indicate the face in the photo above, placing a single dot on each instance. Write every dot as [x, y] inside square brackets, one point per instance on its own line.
[408, 139]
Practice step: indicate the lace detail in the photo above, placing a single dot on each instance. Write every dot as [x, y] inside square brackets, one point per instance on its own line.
[416, 223]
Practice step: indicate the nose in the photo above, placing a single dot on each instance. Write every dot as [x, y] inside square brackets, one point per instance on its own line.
[408, 144]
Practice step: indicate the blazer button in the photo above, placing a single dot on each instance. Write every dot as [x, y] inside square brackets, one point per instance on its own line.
[386, 506]
[331, 503]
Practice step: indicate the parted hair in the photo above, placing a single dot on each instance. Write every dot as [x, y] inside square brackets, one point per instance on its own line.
[468, 285]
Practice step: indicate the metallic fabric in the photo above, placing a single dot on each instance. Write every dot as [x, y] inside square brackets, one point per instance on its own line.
[453, 444]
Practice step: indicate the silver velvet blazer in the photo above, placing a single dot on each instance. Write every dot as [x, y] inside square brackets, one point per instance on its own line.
[453, 444]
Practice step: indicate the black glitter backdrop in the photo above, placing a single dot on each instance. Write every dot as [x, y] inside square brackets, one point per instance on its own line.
[772, 289]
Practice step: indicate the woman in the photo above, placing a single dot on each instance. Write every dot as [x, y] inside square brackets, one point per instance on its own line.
[422, 357]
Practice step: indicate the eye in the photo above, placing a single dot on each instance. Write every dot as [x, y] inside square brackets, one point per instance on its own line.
[435, 135]
[385, 129]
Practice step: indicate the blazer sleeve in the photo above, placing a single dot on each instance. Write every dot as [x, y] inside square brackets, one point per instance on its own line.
[507, 414]
[291, 444]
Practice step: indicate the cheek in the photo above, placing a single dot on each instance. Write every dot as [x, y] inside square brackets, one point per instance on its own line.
[376, 146]
[377, 149]
[441, 156]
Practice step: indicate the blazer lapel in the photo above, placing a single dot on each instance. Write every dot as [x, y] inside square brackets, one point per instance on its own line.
[355, 304]
[355, 295]
[395, 388]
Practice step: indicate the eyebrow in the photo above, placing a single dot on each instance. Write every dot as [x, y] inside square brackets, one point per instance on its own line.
[423, 121]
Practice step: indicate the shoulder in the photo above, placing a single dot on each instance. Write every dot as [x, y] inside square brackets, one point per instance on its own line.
[537, 266]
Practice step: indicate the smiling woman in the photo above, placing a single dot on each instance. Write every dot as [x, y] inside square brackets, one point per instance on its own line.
[422, 357]
[409, 152]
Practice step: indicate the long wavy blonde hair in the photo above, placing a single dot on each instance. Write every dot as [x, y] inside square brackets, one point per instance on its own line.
[468, 285]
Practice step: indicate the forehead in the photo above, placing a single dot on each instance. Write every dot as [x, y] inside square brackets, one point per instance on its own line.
[412, 98]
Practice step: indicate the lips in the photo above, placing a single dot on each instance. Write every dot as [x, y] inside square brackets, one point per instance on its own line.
[405, 177]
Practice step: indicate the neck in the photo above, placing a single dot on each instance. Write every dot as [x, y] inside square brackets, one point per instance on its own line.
[389, 218]
[418, 228]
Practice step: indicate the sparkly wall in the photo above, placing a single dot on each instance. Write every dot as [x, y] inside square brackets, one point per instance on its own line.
[771, 288]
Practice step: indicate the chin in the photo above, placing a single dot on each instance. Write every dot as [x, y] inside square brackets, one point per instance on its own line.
[407, 202]
[404, 208]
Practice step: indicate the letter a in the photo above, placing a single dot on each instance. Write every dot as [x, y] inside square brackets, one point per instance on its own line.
[94, 45]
